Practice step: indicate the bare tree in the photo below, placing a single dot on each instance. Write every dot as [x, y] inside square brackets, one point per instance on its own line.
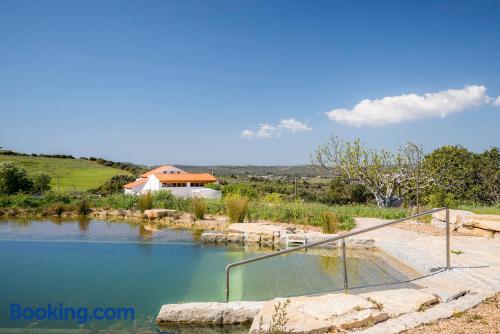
[380, 171]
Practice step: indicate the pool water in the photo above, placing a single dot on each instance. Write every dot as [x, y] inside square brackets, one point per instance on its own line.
[93, 263]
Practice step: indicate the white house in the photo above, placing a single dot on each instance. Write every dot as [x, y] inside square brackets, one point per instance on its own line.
[180, 183]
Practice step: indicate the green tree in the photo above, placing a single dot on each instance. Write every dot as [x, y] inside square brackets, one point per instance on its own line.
[13, 179]
[41, 182]
[489, 175]
[454, 169]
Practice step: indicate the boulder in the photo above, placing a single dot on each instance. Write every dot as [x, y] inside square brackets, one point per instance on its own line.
[253, 238]
[317, 314]
[211, 313]
[214, 237]
[158, 213]
[456, 218]
[400, 301]
[485, 222]
[236, 237]
[476, 232]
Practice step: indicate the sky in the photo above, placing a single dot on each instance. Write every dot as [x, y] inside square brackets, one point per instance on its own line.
[246, 82]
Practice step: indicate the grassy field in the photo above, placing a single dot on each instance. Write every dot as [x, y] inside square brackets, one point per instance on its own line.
[67, 174]
[483, 210]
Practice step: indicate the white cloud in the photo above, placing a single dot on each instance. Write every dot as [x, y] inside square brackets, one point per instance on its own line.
[293, 126]
[409, 107]
[496, 102]
[287, 125]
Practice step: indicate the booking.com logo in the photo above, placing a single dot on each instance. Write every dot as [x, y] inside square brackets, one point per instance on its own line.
[81, 315]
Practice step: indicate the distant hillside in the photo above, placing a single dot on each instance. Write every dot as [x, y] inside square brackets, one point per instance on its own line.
[258, 171]
[69, 174]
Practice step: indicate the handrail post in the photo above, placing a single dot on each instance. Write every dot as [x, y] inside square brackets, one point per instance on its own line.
[447, 239]
[344, 260]
[227, 283]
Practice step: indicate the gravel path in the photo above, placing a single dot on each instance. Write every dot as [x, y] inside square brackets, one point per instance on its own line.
[482, 319]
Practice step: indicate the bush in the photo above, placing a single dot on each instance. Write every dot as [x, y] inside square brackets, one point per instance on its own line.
[51, 197]
[83, 207]
[237, 208]
[57, 209]
[14, 179]
[440, 199]
[24, 201]
[145, 202]
[273, 198]
[199, 206]
[41, 182]
[214, 186]
[329, 222]
[117, 201]
[241, 189]
[164, 199]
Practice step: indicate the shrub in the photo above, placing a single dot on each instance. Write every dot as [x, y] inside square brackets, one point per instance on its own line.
[347, 223]
[14, 179]
[145, 202]
[215, 206]
[440, 199]
[237, 208]
[83, 207]
[199, 206]
[41, 182]
[51, 197]
[214, 186]
[117, 201]
[329, 222]
[57, 209]
[273, 198]
[24, 201]
[164, 199]
[241, 189]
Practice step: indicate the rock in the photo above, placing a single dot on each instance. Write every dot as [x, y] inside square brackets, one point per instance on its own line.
[236, 237]
[485, 222]
[208, 313]
[253, 238]
[318, 314]
[360, 243]
[358, 319]
[258, 228]
[477, 232]
[214, 237]
[158, 213]
[400, 301]
[267, 239]
[456, 218]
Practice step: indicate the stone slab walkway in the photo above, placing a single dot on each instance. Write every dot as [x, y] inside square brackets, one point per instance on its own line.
[474, 276]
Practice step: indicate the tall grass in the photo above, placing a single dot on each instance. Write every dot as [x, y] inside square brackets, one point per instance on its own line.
[83, 207]
[199, 206]
[329, 222]
[145, 202]
[237, 208]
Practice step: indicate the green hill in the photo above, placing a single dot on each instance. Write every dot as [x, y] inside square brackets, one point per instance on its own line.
[67, 174]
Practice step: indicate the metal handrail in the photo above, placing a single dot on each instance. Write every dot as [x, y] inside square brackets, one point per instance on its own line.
[343, 236]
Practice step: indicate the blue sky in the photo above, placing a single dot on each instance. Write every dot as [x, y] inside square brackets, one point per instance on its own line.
[192, 82]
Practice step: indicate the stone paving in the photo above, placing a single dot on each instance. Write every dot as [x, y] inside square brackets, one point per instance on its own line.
[474, 276]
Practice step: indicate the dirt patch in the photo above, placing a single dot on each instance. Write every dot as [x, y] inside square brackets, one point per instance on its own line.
[482, 319]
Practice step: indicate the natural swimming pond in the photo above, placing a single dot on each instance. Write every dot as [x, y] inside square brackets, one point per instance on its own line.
[92, 263]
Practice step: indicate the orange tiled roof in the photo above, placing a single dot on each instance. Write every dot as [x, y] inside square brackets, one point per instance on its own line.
[158, 169]
[135, 183]
[186, 177]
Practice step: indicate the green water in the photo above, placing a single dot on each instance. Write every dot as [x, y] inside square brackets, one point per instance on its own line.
[102, 264]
